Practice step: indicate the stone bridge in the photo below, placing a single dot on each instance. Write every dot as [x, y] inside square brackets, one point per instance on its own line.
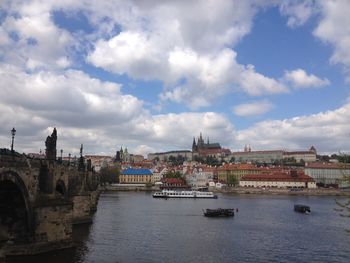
[41, 199]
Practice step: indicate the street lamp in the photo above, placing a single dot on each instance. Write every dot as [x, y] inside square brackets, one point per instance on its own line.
[13, 133]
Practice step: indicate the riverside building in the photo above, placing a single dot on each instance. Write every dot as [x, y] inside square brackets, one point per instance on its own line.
[135, 176]
[278, 179]
[273, 156]
[329, 174]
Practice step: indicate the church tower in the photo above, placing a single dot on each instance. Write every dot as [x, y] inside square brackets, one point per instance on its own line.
[200, 143]
[194, 145]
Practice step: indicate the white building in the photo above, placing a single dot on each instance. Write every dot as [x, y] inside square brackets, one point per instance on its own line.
[100, 161]
[258, 156]
[280, 179]
[271, 156]
[306, 156]
[326, 174]
[199, 176]
[158, 174]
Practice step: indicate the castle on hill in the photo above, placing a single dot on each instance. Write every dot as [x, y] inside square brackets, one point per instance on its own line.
[203, 149]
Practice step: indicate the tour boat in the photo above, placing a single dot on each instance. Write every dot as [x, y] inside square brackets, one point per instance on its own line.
[183, 194]
[220, 212]
[302, 208]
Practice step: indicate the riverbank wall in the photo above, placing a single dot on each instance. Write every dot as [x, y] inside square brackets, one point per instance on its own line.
[128, 187]
[237, 190]
[283, 191]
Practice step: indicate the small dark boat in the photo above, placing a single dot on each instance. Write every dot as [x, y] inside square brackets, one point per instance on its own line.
[220, 212]
[302, 208]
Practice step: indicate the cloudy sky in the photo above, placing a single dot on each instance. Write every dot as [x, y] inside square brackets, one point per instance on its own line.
[150, 75]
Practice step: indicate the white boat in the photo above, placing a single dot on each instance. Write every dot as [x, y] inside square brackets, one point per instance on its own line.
[183, 194]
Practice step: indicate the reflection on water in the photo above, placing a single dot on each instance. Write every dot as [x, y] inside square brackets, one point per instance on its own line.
[72, 255]
[134, 227]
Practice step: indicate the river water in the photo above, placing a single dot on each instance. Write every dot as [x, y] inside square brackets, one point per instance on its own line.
[134, 227]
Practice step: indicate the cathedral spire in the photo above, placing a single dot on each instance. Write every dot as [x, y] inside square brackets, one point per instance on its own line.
[200, 143]
[194, 145]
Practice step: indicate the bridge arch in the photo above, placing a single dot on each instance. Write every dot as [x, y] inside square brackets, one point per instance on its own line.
[61, 188]
[16, 213]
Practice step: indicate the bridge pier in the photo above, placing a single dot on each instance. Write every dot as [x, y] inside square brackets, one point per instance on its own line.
[40, 200]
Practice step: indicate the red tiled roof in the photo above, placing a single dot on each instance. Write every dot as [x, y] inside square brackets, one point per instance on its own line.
[264, 152]
[319, 165]
[237, 167]
[172, 180]
[278, 176]
[299, 152]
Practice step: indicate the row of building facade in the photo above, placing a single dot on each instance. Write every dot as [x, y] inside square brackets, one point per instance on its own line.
[240, 167]
[200, 148]
[245, 175]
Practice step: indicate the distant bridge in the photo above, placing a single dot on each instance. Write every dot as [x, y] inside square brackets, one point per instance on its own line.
[40, 200]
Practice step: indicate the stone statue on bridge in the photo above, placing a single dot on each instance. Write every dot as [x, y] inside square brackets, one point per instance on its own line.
[50, 144]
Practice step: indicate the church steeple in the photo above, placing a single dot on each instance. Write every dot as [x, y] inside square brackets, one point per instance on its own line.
[200, 143]
[194, 145]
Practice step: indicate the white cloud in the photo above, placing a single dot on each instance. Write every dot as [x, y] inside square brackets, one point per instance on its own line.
[4, 39]
[333, 25]
[328, 131]
[95, 113]
[215, 75]
[188, 45]
[334, 28]
[151, 40]
[68, 99]
[257, 84]
[300, 79]
[144, 150]
[203, 75]
[128, 52]
[164, 41]
[297, 11]
[38, 42]
[216, 23]
[253, 109]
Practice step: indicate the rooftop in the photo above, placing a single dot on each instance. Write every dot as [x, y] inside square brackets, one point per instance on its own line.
[134, 171]
[279, 176]
[324, 165]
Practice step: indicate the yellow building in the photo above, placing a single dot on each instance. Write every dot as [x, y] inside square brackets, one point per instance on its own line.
[135, 176]
[232, 173]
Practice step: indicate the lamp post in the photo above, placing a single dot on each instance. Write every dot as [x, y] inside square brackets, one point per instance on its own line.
[13, 133]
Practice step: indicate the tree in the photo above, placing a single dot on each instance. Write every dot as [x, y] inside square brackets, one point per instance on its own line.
[198, 159]
[212, 160]
[344, 158]
[109, 175]
[232, 179]
[178, 160]
[171, 174]
[289, 160]
[325, 158]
